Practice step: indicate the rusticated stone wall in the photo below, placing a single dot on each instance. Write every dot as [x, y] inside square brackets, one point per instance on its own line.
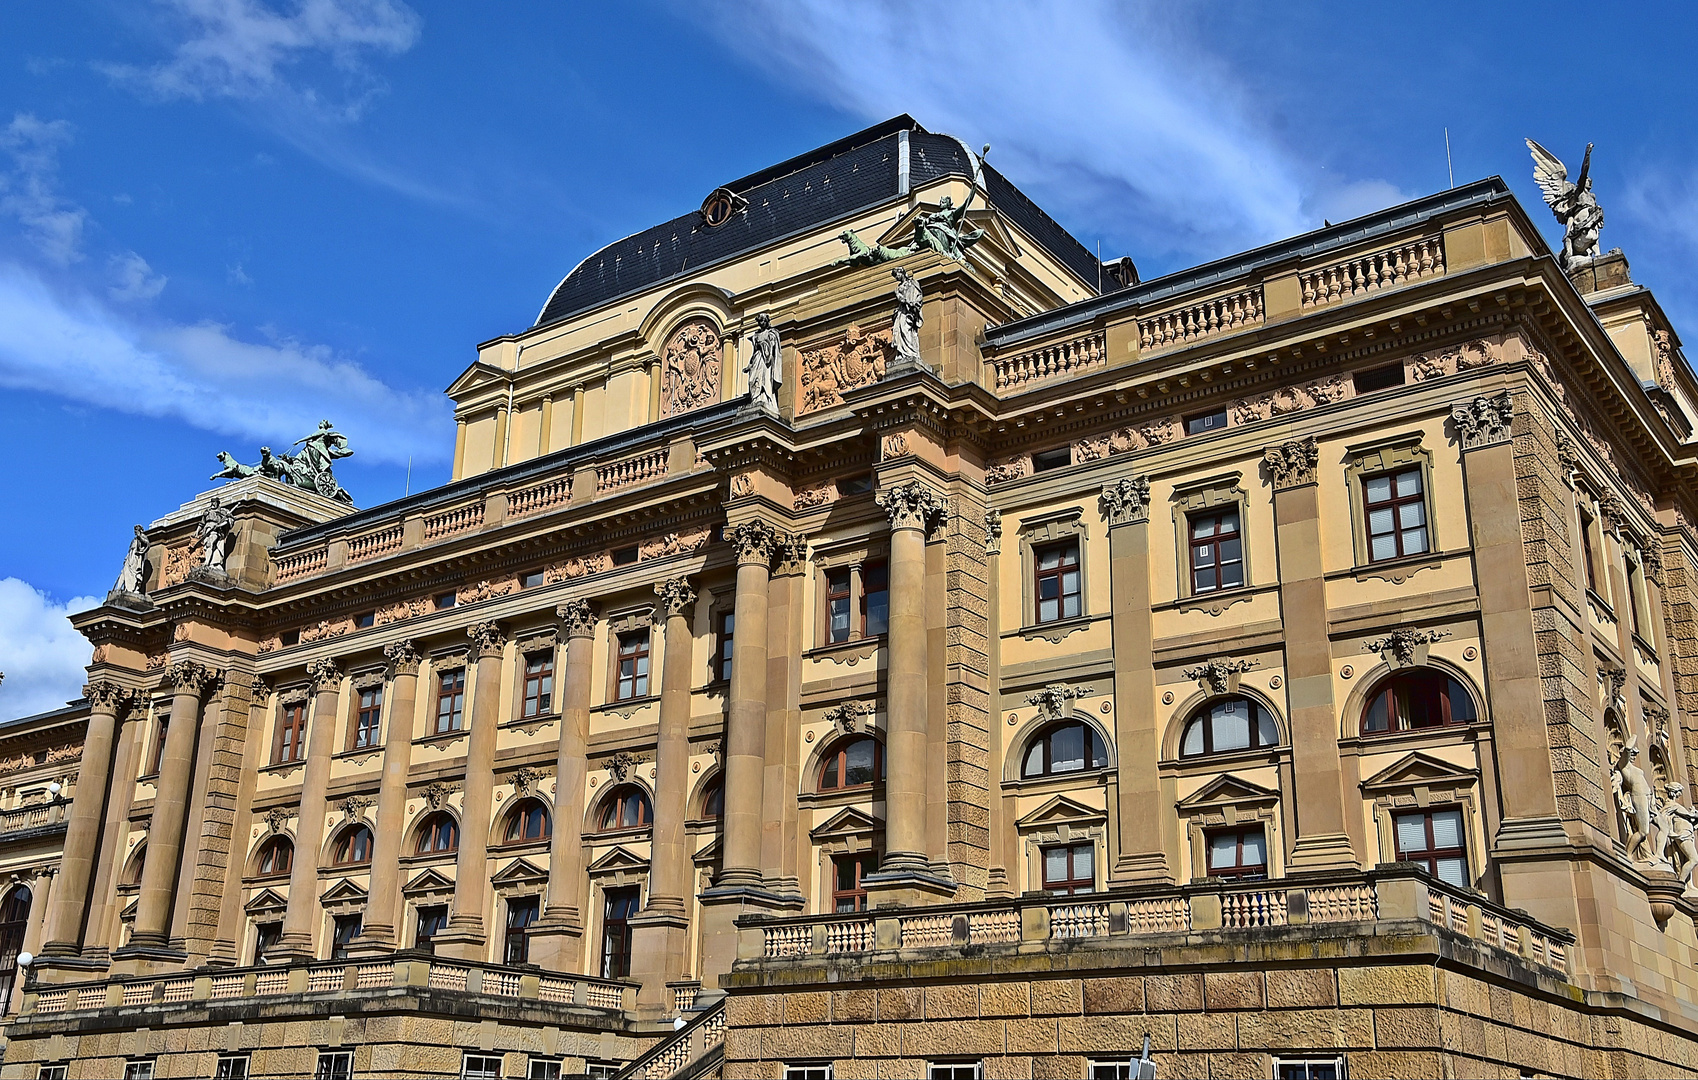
[967, 697]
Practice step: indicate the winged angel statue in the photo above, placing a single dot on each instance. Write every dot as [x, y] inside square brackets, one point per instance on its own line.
[1574, 205]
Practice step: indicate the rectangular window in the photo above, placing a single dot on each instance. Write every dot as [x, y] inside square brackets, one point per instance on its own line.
[138, 1070]
[633, 681]
[817, 1070]
[602, 1070]
[431, 922]
[847, 874]
[530, 579]
[521, 913]
[954, 1070]
[290, 744]
[231, 1067]
[542, 1069]
[443, 601]
[1637, 597]
[266, 936]
[1217, 552]
[481, 1067]
[539, 685]
[722, 654]
[1056, 582]
[618, 907]
[837, 605]
[1433, 839]
[1237, 853]
[875, 599]
[1587, 555]
[1207, 422]
[344, 928]
[368, 719]
[1100, 1069]
[334, 1065]
[1059, 458]
[1070, 869]
[1380, 378]
[55, 1072]
[365, 619]
[289, 637]
[1322, 1069]
[624, 556]
[157, 758]
[1396, 510]
[450, 701]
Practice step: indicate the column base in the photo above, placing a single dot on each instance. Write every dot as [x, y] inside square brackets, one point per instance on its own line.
[659, 948]
[1527, 836]
[1326, 851]
[900, 887]
[291, 949]
[462, 944]
[372, 943]
[1140, 867]
[55, 969]
[145, 959]
[223, 955]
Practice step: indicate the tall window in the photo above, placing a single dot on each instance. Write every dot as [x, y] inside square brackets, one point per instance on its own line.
[854, 762]
[713, 800]
[432, 921]
[1433, 839]
[619, 906]
[1217, 552]
[266, 937]
[1069, 869]
[633, 660]
[290, 743]
[14, 917]
[1237, 853]
[1396, 510]
[722, 652]
[516, 944]
[875, 599]
[438, 834]
[334, 1065]
[838, 601]
[343, 929]
[157, 758]
[1638, 599]
[847, 874]
[1064, 748]
[525, 822]
[368, 719]
[539, 685]
[1056, 582]
[353, 846]
[1417, 698]
[276, 857]
[857, 601]
[1588, 554]
[1233, 723]
[626, 807]
[451, 701]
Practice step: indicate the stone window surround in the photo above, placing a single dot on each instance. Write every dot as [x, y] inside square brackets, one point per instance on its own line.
[1369, 678]
[830, 844]
[1586, 508]
[720, 602]
[1211, 494]
[527, 644]
[1404, 797]
[329, 910]
[851, 554]
[410, 833]
[251, 865]
[1184, 710]
[625, 621]
[813, 763]
[696, 812]
[331, 834]
[1042, 530]
[592, 830]
[1091, 829]
[1233, 812]
[1020, 740]
[1388, 454]
[612, 877]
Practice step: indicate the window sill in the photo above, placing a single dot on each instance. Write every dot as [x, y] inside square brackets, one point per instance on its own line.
[1054, 632]
[530, 724]
[1601, 606]
[625, 707]
[1215, 602]
[1400, 569]
[362, 753]
[1443, 733]
[849, 652]
[1060, 781]
[443, 740]
[1263, 755]
[1648, 651]
[277, 768]
[608, 836]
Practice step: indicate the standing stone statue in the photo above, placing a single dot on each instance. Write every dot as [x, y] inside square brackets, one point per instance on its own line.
[1574, 205]
[132, 578]
[214, 531]
[766, 366]
[1679, 832]
[1634, 800]
[905, 329]
[945, 230]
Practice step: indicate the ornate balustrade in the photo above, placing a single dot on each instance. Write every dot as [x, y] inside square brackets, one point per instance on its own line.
[374, 544]
[1372, 273]
[628, 472]
[539, 497]
[1057, 359]
[299, 564]
[453, 521]
[1200, 321]
[702, 1038]
[33, 816]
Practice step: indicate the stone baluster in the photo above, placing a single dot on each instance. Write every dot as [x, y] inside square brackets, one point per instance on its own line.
[107, 703]
[191, 681]
[466, 937]
[301, 917]
[555, 939]
[379, 932]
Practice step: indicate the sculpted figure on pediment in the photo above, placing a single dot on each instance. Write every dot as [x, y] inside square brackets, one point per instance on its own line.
[690, 368]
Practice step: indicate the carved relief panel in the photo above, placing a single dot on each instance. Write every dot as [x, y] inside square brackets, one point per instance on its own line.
[690, 367]
[857, 359]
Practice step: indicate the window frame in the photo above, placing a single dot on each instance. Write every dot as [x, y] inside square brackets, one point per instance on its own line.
[1070, 885]
[1384, 686]
[838, 750]
[1395, 503]
[1429, 858]
[1394, 454]
[288, 741]
[615, 799]
[1059, 573]
[140, 1069]
[366, 730]
[427, 942]
[433, 822]
[1283, 1065]
[1239, 871]
[491, 1070]
[865, 862]
[536, 687]
[1214, 541]
[1589, 552]
[516, 938]
[1093, 742]
[616, 963]
[1044, 531]
[345, 842]
[274, 843]
[354, 923]
[955, 1069]
[334, 1065]
[270, 928]
[523, 809]
[724, 641]
[1203, 712]
[455, 695]
[835, 594]
[55, 1071]
[219, 1072]
[643, 655]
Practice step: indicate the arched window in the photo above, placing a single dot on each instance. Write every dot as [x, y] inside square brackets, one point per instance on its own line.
[713, 800]
[1064, 748]
[1417, 698]
[437, 834]
[277, 856]
[527, 821]
[854, 762]
[353, 846]
[626, 808]
[14, 918]
[1228, 724]
[137, 862]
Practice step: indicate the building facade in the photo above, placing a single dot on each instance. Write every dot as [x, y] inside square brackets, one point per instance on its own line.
[1290, 660]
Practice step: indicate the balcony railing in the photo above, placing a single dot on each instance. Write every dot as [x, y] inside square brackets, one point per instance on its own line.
[336, 978]
[628, 472]
[1199, 321]
[689, 1051]
[1057, 359]
[1373, 272]
[34, 816]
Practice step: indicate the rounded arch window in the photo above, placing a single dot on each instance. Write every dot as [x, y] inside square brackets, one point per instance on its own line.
[438, 833]
[527, 821]
[1229, 724]
[854, 762]
[626, 807]
[1067, 747]
[352, 846]
[15, 911]
[138, 862]
[713, 799]
[1415, 699]
[276, 856]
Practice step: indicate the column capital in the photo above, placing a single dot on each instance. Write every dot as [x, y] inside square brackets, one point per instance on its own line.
[1293, 464]
[676, 596]
[1484, 421]
[324, 674]
[755, 541]
[403, 657]
[579, 617]
[104, 695]
[913, 506]
[487, 639]
[993, 531]
[187, 675]
[792, 554]
[1126, 501]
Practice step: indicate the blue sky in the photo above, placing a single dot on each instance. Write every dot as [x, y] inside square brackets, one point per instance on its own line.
[223, 219]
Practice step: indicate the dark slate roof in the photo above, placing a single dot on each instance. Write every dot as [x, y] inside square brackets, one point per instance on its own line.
[69, 711]
[831, 183]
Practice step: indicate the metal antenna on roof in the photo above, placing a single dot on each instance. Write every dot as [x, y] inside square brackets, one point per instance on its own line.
[1448, 167]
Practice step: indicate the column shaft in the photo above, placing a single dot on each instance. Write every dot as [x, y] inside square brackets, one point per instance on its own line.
[379, 929]
[300, 919]
[88, 806]
[745, 741]
[170, 806]
[906, 735]
[555, 943]
[783, 719]
[467, 936]
[100, 927]
[232, 921]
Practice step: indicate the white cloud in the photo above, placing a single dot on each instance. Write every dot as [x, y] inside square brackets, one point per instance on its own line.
[27, 191]
[202, 374]
[136, 279]
[42, 656]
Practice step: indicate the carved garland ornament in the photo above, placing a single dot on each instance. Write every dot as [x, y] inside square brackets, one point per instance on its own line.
[1055, 701]
[850, 715]
[276, 818]
[691, 359]
[437, 794]
[622, 764]
[1403, 646]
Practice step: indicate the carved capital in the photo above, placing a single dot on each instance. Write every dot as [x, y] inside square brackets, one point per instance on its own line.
[487, 639]
[403, 657]
[913, 506]
[1484, 421]
[1126, 501]
[993, 532]
[579, 617]
[791, 554]
[104, 695]
[755, 542]
[676, 596]
[190, 676]
[324, 675]
[1293, 464]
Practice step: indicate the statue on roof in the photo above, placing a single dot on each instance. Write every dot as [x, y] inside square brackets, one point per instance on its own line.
[214, 531]
[905, 327]
[132, 578]
[945, 230]
[309, 469]
[862, 253]
[766, 365]
[1574, 205]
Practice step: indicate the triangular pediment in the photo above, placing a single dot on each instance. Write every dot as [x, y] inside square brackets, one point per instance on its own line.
[520, 870]
[428, 882]
[618, 859]
[267, 900]
[1060, 808]
[479, 374]
[1228, 788]
[979, 217]
[846, 822]
[1418, 769]
[342, 892]
[709, 853]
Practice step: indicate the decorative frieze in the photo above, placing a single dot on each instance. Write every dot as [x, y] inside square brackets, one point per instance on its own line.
[814, 497]
[525, 780]
[1124, 440]
[487, 590]
[913, 506]
[1125, 501]
[1293, 464]
[417, 607]
[674, 543]
[856, 359]
[1464, 357]
[1484, 421]
[576, 567]
[1290, 399]
[1000, 472]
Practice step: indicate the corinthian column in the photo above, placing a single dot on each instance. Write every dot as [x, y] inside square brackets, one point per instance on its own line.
[107, 701]
[170, 805]
[465, 938]
[300, 918]
[661, 933]
[378, 931]
[554, 940]
[905, 871]
[745, 740]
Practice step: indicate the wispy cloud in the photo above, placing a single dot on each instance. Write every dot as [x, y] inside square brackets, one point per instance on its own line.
[42, 656]
[1113, 114]
[135, 280]
[28, 190]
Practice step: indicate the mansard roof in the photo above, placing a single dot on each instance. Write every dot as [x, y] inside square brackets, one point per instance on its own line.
[831, 183]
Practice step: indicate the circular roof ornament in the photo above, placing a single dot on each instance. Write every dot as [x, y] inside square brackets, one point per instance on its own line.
[719, 207]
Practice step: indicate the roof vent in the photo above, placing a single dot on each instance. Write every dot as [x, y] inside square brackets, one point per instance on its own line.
[719, 207]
